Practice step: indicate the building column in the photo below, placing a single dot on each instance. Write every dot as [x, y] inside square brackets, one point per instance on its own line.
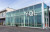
[24, 19]
[43, 23]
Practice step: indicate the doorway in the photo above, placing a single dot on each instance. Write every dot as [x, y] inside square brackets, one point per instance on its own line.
[49, 19]
[2, 21]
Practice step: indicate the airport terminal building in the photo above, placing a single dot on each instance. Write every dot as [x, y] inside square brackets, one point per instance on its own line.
[36, 16]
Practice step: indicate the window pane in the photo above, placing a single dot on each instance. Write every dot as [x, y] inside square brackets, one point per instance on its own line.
[37, 8]
[31, 8]
[26, 9]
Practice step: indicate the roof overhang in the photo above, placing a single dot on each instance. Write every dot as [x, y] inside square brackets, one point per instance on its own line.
[3, 11]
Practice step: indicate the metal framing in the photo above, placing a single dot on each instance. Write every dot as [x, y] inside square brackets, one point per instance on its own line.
[43, 20]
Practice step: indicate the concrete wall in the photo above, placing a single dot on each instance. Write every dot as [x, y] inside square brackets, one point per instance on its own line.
[3, 14]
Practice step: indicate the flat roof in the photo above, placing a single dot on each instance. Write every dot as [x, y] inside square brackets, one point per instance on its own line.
[31, 5]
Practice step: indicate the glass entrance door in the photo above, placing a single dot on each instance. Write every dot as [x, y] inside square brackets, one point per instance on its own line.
[46, 22]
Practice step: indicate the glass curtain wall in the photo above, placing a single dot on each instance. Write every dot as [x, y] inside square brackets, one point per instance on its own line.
[38, 15]
[46, 15]
[30, 16]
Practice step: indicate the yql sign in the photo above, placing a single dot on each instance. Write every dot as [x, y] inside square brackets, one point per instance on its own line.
[30, 13]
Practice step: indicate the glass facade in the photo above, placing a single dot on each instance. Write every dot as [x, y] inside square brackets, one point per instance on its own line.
[46, 14]
[30, 16]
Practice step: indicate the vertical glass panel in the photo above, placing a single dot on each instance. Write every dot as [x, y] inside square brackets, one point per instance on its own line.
[8, 21]
[22, 20]
[31, 21]
[35, 21]
[26, 9]
[17, 11]
[31, 8]
[21, 10]
[17, 20]
[12, 13]
[38, 20]
[26, 20]
[46, 14]
[37, 7]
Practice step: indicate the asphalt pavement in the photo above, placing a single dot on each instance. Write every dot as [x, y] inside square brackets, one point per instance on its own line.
[21, 29]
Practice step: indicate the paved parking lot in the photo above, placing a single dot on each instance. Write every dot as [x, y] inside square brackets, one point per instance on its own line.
[21, 29]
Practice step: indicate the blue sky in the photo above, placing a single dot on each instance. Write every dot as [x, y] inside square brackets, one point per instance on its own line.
[17, 4]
